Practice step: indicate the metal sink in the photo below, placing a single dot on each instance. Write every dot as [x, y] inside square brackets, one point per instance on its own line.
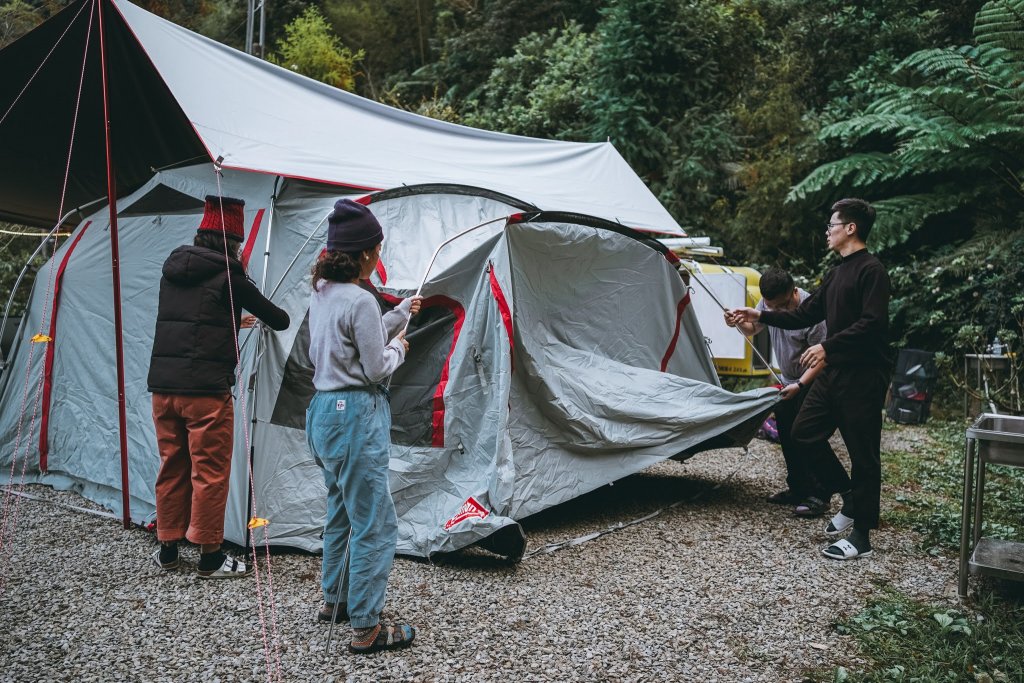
[999, 438]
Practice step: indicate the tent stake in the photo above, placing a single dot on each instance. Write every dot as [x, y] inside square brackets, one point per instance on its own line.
[115, 271]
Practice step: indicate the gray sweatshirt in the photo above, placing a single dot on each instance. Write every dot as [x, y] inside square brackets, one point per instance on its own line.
[349, 340]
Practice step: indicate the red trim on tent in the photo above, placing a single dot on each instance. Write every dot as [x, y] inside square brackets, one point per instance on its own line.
[683, 303]
[382, 272]
[249, 243]
[365, 200]
[335, 183]
[44, 425]
[506, 312]
[437, 419]
[672, 257]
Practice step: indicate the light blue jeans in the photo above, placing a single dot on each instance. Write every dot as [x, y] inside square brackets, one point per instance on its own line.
[349, 435]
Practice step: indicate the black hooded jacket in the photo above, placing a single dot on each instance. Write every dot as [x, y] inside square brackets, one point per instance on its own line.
[194, 345]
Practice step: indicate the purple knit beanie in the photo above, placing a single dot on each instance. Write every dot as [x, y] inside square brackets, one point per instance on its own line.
[352, 228]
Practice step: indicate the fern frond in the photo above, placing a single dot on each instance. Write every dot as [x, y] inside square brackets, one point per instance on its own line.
[1000, 24]
[942, 61]
[899, 217]
[856, 170]
[859, 127]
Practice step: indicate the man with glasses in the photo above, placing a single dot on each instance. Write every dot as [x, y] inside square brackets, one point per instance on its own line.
[849, 392]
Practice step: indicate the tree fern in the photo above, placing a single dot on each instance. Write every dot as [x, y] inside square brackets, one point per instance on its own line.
[899, 217]
[1000, 24]
[946, 133]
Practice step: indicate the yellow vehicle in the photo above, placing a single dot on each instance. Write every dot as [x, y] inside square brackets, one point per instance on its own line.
[732, 286]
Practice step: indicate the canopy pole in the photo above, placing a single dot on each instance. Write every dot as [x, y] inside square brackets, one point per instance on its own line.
[115, 271]
[253, 385]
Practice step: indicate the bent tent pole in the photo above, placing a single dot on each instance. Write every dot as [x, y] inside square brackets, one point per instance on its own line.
[448, 241]
[115, 272]
[28, 262]
[426, 272]
[745, 338]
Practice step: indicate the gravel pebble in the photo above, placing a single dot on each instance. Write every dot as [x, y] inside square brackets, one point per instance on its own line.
[721, 587]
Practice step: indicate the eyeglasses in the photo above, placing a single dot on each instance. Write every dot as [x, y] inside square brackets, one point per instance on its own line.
[829, 226]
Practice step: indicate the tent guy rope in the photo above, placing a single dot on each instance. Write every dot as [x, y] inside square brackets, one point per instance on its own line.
[9, 524]
[251, 526]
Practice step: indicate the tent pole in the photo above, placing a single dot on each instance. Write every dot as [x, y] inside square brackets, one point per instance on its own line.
[254, 385]
[115, 271]
[24, 269]
[266, 244]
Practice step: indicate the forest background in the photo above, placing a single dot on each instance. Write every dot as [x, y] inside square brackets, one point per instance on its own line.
[747, 118]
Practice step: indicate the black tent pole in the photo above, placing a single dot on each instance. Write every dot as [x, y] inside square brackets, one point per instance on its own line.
[115, 270]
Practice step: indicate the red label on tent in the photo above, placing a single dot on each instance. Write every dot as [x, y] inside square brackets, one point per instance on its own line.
[470, 508]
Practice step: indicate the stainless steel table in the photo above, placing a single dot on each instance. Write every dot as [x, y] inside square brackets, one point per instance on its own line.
[999, 440]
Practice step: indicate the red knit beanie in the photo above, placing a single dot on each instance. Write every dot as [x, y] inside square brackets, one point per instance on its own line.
[231, 209]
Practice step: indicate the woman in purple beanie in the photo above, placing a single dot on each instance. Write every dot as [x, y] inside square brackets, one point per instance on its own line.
[348, 426]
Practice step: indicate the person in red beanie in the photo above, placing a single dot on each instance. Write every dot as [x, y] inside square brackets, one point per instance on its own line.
[191, 375]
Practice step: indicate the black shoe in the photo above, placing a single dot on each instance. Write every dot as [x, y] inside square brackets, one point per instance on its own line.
[786, 497]
[811, 507]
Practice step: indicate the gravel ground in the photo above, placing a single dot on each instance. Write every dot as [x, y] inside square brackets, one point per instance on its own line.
[721, 587]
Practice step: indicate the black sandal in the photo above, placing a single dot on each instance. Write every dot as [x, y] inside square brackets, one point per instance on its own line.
[392, 637]
[811, 507]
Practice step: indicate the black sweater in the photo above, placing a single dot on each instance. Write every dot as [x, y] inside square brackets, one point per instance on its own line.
[854, 301]
[194, 344]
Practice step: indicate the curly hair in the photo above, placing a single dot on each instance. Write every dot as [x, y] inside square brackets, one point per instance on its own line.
[336, 266]
[215, 240]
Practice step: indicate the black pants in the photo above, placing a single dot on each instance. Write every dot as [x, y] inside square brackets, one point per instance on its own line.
[851, 400]
[798, 456]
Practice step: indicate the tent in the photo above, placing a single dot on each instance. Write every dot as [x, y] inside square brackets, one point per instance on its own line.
[556, 352]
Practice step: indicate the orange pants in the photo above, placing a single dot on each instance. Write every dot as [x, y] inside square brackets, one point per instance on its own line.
[194, 435]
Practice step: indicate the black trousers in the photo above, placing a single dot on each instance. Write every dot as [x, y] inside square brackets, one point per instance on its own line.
[850, 400]
[798, 456]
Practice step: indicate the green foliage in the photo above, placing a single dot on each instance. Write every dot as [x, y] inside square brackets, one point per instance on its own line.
[393, 35]
[946, 133]
[541, 88]
[17, 17]
[914, 641]
[14, 253]
[812, 59]
[957, 298]
[660, 94]
[472, 35]
[312, 49]
[926, 481]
